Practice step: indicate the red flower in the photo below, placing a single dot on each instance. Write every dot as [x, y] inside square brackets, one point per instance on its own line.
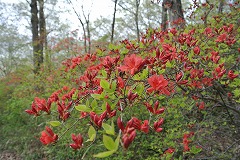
[155, 110]
[98, 119]
[158, 83]
[179, 76]
[128, 137]
[196, 50]
[173, 31]
[120, 124]
[34, 110]
[186, 141]
[145, 126]
[132, 64]
[110, 112]
[121, 82]
[132, 96]
[221, 38]
[78, 140]
[48, 136]
[169, 150]
[157, 125]
[63, 110]
[83, 114]
[43, 105]
[231, 75]
[200, 106]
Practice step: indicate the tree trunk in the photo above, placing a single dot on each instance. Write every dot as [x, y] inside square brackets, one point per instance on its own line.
[175, 14]
[220, 7]
[89, 35]
[114, 18]
[164, 17]
[43, 34]
[136, 19]
[82, 24]
[42, 25]
[37, 57]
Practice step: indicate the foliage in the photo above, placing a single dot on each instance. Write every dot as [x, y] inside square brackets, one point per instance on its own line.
[156, 98]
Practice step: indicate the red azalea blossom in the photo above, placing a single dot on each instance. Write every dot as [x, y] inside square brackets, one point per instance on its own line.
[158, 83]
[98, 119]
[179, 76]
[78, 140]
[200, 105]
[196, 50]
[34, 110]
[129, 132]
[121, 82]
[155, 109]
[132, 64]
[221, 38]
[128, 137]
[157, 125]
[131, 96]
[43, 105]
[48, 136]
[186, 141]
[231, 75]
[169, 150]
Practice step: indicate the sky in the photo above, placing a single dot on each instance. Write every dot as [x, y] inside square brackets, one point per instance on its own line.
[97, 9]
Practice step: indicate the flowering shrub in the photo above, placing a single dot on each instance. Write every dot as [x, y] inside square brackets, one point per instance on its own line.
[150, 87]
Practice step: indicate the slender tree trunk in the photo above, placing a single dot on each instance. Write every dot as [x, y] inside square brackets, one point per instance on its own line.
[164, 17]
[88, 30]
[37, 57]
[42, 25]
[136, 19]
[89, 36]
[114, 18]
[83, 27]
[43, 34]
[220, 7]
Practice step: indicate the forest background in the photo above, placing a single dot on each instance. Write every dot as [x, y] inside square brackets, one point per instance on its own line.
[34, 57]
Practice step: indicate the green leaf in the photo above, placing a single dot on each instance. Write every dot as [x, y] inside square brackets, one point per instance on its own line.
[111, 46]
[140, 89]
[109, 129]
[82, 108]
[108, 143]
[104, 84]
[104, 73]
[168, 64]
[195, 150]
[104, 154]
[124, 51]
[94, 104]
[97, 96]
[75, 95]
[91, 133]
[117, 140]
[54, 123]
[114, 86]
[87, 103]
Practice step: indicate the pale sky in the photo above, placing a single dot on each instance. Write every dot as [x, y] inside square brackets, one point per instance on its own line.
[99, 7]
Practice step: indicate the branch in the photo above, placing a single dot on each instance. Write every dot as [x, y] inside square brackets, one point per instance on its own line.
[127, 9]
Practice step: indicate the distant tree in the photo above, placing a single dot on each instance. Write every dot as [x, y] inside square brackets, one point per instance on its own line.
[85, 25]
[114, 19]
[172, 8]
[133, 8]
[36, 43]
